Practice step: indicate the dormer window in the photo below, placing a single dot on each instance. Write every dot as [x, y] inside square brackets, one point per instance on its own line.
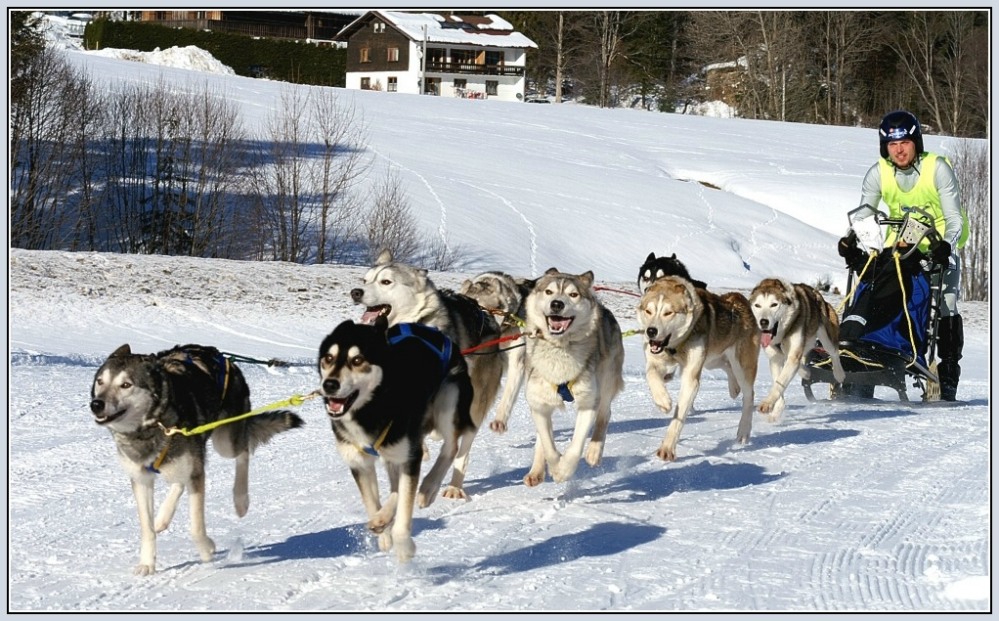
[378, 27]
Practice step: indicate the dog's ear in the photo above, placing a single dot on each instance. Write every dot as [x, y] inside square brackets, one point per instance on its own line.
[466, 286]
[124, 350]
[651, 257]
[673, 256]
[384, 257]
[551, 270]
[586, 279]
[526, 285]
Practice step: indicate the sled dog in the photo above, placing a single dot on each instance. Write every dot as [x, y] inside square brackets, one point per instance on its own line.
[385, 389]
[137, 397]
[657, 267]
[504, 295]
[404, 294]
[697, 329]
[790, 317]
[574, 353]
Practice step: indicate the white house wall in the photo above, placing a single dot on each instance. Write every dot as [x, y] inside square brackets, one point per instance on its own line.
[509, 88]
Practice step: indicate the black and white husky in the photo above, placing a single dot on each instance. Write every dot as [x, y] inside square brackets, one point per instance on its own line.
[138, 397]
[385, 390]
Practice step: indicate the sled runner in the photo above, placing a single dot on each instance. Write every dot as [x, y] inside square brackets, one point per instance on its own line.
[889, 325]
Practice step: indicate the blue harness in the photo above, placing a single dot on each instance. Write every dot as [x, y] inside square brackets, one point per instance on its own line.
[437, 341]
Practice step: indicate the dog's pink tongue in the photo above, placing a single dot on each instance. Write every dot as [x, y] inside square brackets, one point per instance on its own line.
[558, 324]
[369, 316]
[765, 338]
[335, 406]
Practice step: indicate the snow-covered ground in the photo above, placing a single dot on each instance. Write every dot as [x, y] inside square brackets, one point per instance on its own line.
[881, 507]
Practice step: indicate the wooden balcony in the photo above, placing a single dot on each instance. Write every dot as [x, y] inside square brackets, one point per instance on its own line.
[474, 69]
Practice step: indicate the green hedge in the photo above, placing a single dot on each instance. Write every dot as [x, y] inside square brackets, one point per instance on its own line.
[289, 61]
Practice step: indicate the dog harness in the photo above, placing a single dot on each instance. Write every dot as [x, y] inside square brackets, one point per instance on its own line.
[373, 449]
[565, 391]
[155, 466]
[434, 339]
[222, 378]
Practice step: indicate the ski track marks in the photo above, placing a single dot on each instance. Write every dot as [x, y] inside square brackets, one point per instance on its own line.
[442, 226]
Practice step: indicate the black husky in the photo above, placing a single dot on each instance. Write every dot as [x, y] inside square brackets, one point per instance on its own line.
[138, 397]
[657, 267]
[385, 389]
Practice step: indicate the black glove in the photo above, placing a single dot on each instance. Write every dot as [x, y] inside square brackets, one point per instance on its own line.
[855, 257]
[940, 252]
[847, 245]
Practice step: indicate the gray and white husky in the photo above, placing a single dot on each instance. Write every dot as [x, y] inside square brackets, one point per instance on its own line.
[405, 294]
[574, 353]
[504, 295]
[137, 397]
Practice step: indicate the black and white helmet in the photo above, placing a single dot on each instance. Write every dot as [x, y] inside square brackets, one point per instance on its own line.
[900, 125]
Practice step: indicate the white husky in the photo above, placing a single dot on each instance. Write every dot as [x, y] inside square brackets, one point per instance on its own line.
[574, 353]
[405, 294]
[790, 317]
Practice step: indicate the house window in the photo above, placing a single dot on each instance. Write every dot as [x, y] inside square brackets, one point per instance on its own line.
[393, 85]
[365, 55]
[459, 83]
[492, 87]
[393, 55]
[494, 62]
[378, 27]
[365, 84]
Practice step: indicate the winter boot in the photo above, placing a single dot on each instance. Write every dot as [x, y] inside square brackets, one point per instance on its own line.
[950, 343]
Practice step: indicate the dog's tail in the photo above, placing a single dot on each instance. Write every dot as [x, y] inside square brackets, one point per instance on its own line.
[263, 427]
[246, 435]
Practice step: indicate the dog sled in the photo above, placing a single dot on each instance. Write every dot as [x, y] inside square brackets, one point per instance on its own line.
[888, 328]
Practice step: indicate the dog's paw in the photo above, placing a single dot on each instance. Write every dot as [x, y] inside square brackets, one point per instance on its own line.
[742, 437]
[242, 504]
[533, 479]
[594, 452]
[378, 524]
[498, 426]
[206, 549]
[766, 406]
[666, 453]
[144, 570]
[454, 493]
[776, 411]
[161, 524]
[405, 549]
[562, 473]
[425, 499]
[385, 541]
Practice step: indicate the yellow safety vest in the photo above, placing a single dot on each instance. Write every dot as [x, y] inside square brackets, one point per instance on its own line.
[924, 194]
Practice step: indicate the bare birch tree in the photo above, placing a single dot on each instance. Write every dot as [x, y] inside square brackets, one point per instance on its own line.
[340, 132]
[973, 167]
[937, 51]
